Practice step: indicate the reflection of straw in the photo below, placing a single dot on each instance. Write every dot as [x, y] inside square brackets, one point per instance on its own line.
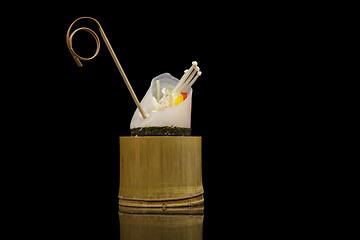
[188, 79]
[77, 58]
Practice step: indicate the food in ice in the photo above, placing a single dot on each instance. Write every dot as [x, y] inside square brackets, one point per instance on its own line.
[167, 104]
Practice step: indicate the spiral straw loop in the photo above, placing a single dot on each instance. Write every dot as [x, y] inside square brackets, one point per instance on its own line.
[77, 58]
[96, 39]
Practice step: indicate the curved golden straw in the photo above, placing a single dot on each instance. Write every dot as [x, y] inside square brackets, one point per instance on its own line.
[77, 58]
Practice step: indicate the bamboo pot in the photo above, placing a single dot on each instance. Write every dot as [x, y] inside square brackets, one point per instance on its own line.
[161, 174]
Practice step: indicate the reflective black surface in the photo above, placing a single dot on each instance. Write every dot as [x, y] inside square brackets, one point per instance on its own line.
[70, 119]
[149, 226]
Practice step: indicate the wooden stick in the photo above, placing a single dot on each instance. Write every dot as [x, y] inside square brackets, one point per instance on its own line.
[112, 53]
[187, 81]
[186, 88]
[185, 76]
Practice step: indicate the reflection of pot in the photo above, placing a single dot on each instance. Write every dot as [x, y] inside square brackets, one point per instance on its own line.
[161, 175]
[160, 227]
[179, 116]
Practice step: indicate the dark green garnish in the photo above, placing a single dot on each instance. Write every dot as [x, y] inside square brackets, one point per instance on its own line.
[160, 131]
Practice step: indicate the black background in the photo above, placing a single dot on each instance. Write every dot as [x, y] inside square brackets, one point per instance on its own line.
[71, 117]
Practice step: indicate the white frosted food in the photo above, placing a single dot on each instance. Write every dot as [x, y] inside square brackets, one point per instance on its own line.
[163, 112]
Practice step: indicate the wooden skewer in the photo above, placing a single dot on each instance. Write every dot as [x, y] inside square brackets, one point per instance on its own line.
[189, 78]
[186, 88]
[77, 58]
[185, 76]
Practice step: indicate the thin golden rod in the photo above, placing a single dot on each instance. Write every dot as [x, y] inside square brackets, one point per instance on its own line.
[77, 58]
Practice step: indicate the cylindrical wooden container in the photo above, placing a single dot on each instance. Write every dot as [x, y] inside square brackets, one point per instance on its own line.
[161, 174]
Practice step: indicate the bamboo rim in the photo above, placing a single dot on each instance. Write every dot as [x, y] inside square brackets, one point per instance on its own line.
[194, 210]
[164, 203]
[162, 200]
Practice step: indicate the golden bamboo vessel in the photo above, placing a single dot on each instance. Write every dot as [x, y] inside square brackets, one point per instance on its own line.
[161, 174]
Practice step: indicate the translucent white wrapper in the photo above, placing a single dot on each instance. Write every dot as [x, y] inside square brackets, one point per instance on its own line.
[177, 116]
